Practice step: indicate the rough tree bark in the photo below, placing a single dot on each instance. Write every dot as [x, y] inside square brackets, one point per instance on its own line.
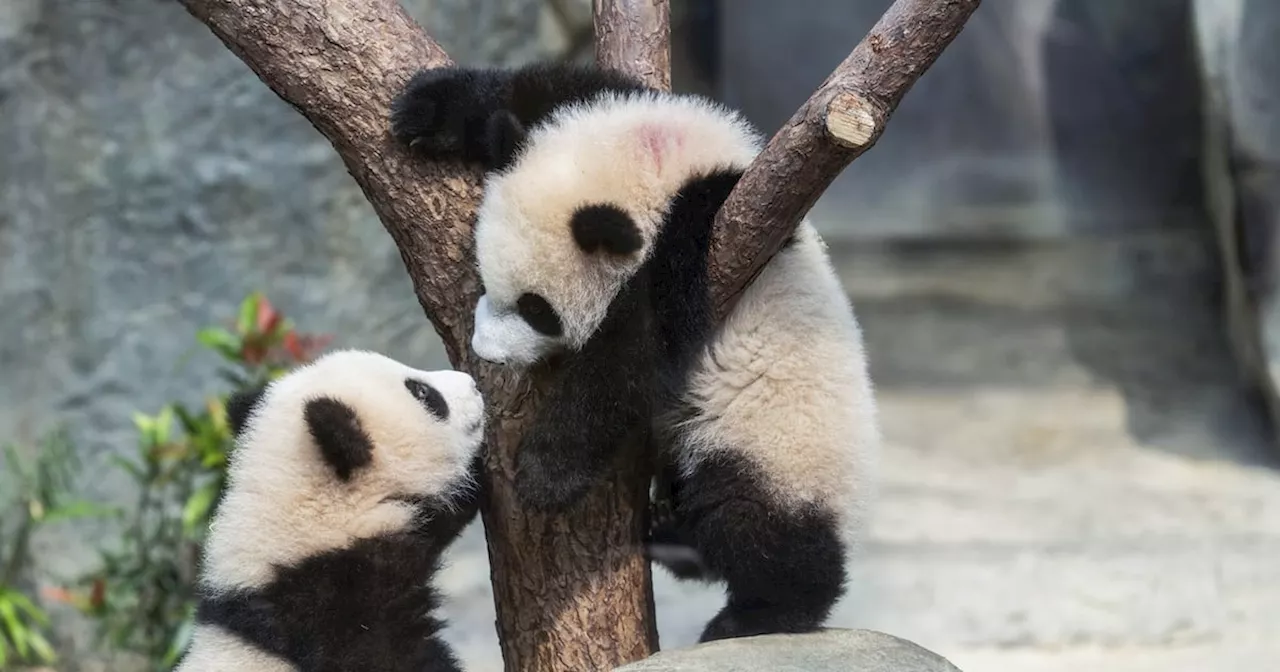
[635, 36]
[572, 592]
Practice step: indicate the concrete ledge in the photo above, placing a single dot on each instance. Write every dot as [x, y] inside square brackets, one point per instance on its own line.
[826, 651]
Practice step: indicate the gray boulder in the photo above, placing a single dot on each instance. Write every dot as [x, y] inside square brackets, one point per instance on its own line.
[825, 651]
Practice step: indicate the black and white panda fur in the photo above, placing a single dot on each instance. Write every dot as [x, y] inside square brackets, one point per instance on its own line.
[592, 240]
[350, 477]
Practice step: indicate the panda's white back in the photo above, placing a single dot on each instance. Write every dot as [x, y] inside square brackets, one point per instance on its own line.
[785, 382]
[213, 649]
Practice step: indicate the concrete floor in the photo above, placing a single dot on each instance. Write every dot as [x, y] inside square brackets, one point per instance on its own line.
[1073, 479]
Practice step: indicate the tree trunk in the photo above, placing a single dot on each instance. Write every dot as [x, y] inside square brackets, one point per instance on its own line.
[634, 36]
[573, 592]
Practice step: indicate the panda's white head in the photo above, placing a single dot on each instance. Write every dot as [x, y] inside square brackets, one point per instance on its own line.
[350, 446]
[574, 214]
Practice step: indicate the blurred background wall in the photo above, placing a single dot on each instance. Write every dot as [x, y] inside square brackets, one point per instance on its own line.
[1061, 252]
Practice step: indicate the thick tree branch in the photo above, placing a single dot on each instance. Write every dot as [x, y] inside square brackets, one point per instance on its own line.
[634, 36]
[840, 121]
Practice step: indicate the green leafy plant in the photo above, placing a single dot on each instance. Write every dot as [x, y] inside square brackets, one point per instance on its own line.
[143, 596]
[41, 497]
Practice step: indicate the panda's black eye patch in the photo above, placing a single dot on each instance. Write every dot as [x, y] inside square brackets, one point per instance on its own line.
[539, 314]
[429, 397]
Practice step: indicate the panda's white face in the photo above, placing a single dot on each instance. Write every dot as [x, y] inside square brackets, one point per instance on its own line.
[545, 291]
[421, 427]
[562, 228]
[511, 337]
[338, 450]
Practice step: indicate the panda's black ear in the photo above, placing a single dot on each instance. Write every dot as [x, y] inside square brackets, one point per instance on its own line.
[240, 406]
[343, 443]
[504, 134]
[607, 228]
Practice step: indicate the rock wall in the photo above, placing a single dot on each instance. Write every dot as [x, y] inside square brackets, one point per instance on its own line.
[1241, 164]
[1044, 118]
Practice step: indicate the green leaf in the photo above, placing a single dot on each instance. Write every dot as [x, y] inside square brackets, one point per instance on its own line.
[190, 423]
[248, 313]
[214, 461]
[217, 409]
[144, 423]
[164, 423]
[77, 509]
[228, 345]
[33, 612]
[17, 631]
[41, 647]
[219, 340]
[4, 653]
[197, 507]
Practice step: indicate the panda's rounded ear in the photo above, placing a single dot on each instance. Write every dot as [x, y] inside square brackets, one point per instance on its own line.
[336, 429]
[240, 406]
[606, 228]
[504, 134]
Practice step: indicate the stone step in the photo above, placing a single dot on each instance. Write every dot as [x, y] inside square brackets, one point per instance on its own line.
[833, 650]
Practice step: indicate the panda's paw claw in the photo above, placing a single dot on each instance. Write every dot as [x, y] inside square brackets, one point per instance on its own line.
[431, 112]
[662, 518]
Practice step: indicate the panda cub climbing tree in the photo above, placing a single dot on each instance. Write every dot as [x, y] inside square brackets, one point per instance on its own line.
[592, 243]
[350, 477]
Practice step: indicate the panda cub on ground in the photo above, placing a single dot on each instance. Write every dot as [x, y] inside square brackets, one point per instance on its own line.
[350, 478]
[592, 242]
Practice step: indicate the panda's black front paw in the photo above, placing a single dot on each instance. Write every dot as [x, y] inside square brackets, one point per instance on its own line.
[662, 520]
[443, 112]
[547, 482]
[684, 562]
[668, 548]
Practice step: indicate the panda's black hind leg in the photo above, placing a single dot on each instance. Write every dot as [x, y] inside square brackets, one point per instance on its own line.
[746, 620]
[783, 566]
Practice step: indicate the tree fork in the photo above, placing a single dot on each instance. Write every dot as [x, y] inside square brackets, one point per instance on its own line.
[572, 592]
